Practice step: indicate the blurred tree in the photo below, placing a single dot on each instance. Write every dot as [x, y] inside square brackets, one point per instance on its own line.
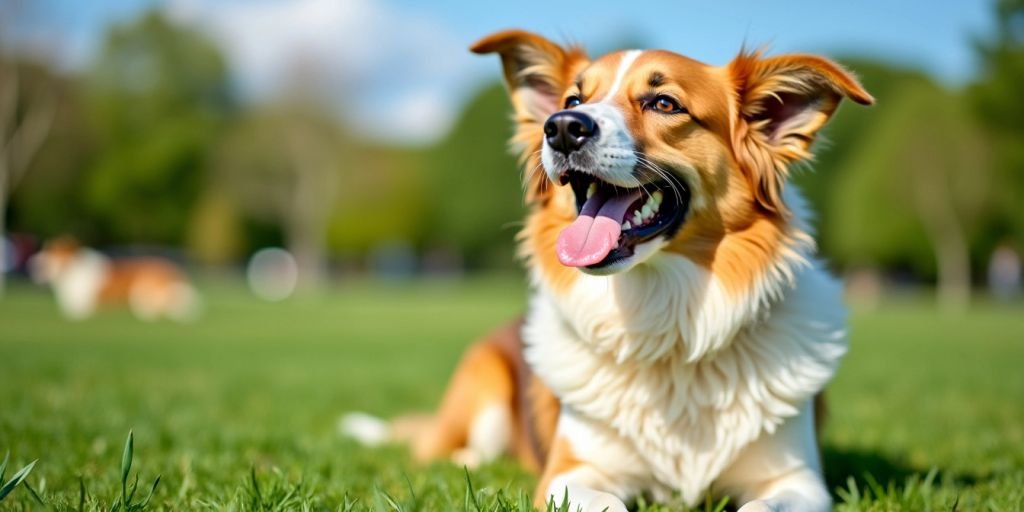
[920, 177]
[392, 206]
[216, 231]
[998, 101]
[475, 183]
[158, 95]
[27, 110]
[49, 199]
[844, 137]
[281, 164]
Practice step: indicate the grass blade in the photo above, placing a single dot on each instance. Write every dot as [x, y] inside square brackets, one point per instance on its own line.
[18, 477]
[391, 501]
[414, 506]
[35, 495]
[3, 465]
[131, 492]
[256, 488]
[151, 491]
[469, 490]
[126, 466]
[81, 494]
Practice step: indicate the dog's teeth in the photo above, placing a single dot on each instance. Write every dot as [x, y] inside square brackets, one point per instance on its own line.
[657, 196]
[647, 211]
[591, 189]
[626, 225]
[637, 218]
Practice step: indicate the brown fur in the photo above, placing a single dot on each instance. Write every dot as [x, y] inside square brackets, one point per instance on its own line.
[491, 372]
[154, 275]
[560, 460]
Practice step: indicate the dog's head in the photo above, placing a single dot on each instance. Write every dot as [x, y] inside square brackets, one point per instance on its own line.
[639, 152]
[53, 259]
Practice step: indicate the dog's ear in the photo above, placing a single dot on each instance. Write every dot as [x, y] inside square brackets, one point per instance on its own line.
[782, 102]
[537, 72]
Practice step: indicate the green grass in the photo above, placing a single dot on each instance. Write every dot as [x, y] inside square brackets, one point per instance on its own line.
[239, 410]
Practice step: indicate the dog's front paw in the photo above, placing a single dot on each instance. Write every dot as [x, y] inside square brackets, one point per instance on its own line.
[604, 502]
[760, 506]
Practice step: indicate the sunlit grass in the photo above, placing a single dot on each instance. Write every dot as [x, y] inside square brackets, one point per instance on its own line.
[239, 411]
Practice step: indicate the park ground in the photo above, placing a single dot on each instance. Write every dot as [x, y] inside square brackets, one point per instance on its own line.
[239, 410]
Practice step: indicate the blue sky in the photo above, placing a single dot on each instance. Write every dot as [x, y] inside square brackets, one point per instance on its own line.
[411, 54]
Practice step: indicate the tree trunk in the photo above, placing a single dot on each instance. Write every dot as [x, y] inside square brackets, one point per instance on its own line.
[954, 269]
[3, 229]
[305, 242]
[19, 141]
[311, 202]
[934, 206]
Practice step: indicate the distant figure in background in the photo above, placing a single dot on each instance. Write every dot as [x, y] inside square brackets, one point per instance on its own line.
[1004, 272]
[84, 279]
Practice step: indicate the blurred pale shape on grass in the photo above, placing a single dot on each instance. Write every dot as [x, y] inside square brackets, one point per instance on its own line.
[272, 274]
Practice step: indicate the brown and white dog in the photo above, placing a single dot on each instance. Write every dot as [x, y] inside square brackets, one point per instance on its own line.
[680, 326]
[83, 280]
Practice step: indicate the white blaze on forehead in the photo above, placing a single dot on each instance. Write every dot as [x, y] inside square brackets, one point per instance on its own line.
[611, 157]
[627, 61]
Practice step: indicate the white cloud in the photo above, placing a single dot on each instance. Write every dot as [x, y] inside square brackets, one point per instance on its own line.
[392, 72]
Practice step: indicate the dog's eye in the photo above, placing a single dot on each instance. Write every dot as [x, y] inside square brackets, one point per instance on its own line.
[666, 105]
[572, 101]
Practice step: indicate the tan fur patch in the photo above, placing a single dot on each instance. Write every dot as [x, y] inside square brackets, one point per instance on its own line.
[482, 377]
[492, 372]
[560, 461]
[152, 277]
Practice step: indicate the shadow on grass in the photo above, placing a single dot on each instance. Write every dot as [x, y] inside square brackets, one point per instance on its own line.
[843, 463]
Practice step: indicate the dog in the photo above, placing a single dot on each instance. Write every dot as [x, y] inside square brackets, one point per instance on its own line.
[680, 327]
[84, 279]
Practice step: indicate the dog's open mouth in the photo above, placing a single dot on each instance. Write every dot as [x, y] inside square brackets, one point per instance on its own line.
[612, 220]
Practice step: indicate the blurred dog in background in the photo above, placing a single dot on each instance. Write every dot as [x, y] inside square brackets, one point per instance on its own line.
[84, 280]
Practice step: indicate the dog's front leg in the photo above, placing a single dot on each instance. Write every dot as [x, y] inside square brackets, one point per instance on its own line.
[591, 466]
[780, 472]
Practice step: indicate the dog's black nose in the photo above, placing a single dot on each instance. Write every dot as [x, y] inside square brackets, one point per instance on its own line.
[567, 131]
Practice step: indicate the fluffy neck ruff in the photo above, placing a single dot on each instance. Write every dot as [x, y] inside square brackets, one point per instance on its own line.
[670, 306]
[688, 370]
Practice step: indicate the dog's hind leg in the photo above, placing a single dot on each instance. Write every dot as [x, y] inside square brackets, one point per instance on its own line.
[476, 420]
[492, 406]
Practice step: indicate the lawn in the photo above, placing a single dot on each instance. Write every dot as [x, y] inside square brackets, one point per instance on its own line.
[239, 410]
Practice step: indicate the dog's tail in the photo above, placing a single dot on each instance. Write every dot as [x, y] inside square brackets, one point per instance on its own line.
[370, 430]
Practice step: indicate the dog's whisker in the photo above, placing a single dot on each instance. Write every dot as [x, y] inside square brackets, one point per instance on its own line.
[658, 171]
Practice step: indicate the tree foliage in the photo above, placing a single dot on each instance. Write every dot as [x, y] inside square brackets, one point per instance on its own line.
[997, 99]
[157, 96]
[48, 200]
[475, 184]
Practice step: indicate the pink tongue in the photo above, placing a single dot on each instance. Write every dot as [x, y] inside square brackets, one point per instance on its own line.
[593, 234]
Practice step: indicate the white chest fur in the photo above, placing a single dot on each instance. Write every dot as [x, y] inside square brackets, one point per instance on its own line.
[78, 286]
[681, 370]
